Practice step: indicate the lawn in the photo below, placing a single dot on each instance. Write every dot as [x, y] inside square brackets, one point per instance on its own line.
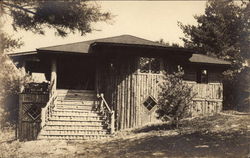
[221, 135]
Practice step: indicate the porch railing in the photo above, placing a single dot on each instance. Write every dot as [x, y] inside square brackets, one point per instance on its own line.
[107, 112]
[47, 110]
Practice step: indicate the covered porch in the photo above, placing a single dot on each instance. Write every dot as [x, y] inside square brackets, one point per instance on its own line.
[73, 93]
[74, 72]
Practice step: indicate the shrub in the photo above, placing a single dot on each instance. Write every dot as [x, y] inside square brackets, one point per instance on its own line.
[175, 98]
[11, 78]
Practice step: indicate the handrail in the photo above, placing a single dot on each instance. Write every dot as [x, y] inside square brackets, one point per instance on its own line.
[110, 113]
[105, 103]
[47, 110]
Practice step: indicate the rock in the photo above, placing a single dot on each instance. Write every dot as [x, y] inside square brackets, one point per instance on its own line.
[201, 146]
[234, 126]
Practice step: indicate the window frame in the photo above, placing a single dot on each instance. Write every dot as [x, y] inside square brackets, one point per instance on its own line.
[149, 70]
[202, 78]
[153, 99]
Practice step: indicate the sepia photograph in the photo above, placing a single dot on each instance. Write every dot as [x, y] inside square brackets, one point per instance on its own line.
[124, 79]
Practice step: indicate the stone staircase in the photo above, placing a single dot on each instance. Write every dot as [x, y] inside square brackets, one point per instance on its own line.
[75, 117]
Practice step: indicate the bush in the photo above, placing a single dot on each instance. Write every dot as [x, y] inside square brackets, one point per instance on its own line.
[175, 98]
[11, 78]
[237, 92]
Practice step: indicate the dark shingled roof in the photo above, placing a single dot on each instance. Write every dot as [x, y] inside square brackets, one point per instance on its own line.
[127, 40]
[83, 47]
[200, 58]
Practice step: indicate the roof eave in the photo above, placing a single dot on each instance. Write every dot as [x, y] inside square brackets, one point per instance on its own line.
[219, 64]
[22, 53]
[60, 51]
[145, 46]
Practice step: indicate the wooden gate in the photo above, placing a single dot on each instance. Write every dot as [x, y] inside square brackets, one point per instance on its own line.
[30, 115]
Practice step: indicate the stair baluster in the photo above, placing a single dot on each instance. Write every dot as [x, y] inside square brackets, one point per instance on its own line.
[108, 113]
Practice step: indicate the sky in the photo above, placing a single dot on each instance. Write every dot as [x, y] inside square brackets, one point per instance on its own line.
[152, 20]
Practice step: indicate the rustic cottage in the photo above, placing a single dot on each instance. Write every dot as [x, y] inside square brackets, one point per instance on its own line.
[103, 85]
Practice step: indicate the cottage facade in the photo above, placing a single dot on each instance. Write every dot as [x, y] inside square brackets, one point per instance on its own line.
[103, 85]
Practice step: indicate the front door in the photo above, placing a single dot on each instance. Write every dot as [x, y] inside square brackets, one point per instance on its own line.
[76, 73]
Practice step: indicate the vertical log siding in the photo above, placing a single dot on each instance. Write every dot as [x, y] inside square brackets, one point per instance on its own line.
[126, 89]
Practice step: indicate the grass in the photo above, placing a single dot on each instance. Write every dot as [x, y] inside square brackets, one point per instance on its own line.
[222, 135]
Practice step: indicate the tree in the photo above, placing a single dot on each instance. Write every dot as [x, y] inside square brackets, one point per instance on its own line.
[11, 78]
[175, 98]
[161, 41]
[224, 32]
[35, 15]
[63, 16]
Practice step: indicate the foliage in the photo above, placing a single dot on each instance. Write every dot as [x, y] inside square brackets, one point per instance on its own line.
[34, 15]
[161, 41]
[243, 90]
[8, 43]
[63, 16]
[175, 98]
[223, 31]
[11, 79]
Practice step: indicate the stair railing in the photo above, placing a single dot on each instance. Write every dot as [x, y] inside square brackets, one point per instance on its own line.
[106, 111]
[47, 110]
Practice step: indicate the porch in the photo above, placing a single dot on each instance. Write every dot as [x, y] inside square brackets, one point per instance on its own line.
[74, 110]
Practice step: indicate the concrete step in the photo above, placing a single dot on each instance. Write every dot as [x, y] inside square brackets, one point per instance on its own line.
[74, 127]
[73, 137]
[79, 102]
[74, 91]
[74, 113]
[77, 98]
[93, 111]
[58, 122]
[77, 118]
[65, 93]
[72, 132]
[74, 107]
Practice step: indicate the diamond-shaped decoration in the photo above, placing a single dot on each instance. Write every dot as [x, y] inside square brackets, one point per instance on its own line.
[149, 103]
[34, 112]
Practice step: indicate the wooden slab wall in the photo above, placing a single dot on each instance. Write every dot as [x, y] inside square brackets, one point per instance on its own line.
[209, 97]
[125, 89]
[29, 127]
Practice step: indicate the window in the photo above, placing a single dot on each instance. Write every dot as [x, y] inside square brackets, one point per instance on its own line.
[34, 112]
[149, 65]
[202, 76]
[149, 103]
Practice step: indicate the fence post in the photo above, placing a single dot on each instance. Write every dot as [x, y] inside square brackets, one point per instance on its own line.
[112, 123]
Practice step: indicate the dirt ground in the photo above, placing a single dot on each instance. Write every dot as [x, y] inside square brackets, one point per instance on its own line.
[222, 135]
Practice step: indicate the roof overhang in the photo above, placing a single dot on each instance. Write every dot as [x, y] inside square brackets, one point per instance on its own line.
[123, 45]
[22, 53]
[207, 60]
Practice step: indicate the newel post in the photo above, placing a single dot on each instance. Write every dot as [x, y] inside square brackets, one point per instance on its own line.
[53, 75]
[43, 117]
[112, 123]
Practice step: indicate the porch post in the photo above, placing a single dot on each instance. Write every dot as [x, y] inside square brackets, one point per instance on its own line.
[21, 89]
[23, 72]
[97, 77]
[53, 79]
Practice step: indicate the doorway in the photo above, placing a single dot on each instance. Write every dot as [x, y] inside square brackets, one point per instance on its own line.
[76, 73]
